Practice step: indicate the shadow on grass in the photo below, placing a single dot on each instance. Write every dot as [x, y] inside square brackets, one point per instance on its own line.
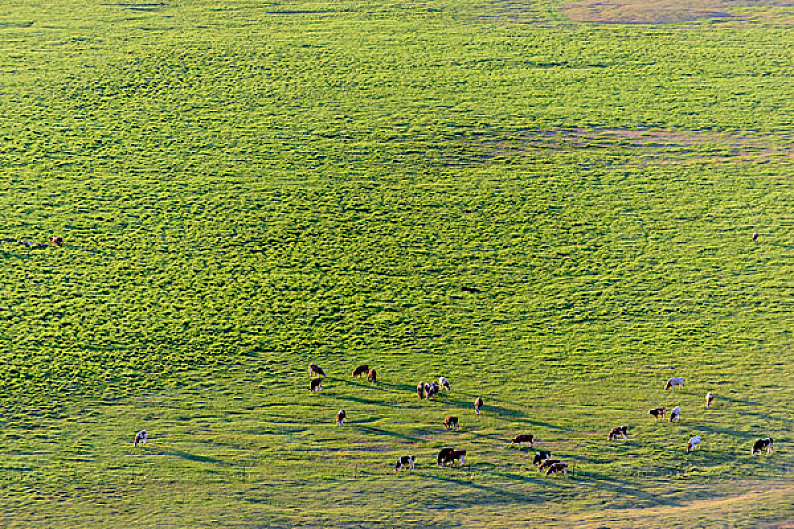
[380, 431]
[623, 487]
[497, 492]
[197, 458]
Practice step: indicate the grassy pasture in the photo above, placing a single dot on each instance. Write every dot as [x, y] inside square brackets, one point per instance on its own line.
[245, 187]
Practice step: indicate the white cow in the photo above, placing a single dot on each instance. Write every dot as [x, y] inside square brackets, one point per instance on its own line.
[673, 382]
[693, 442]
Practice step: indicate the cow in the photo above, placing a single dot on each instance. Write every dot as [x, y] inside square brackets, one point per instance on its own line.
[556, 468]
[675, 415]
[658, 413]
[432, 390]
[314, 369]
[316, 385]
[709, 399]
[140, 438]
[340, 417]
[540, 457]
[618, 430]
[56, 240]
[673, 382]
[524, 438]
[763, 444]
[755, 237]
[372, 375]
[452, 456]
[451, 422]
[420, 390]
[693, 442]
[547, 463]
[361, 370]
[405, 462]
[443, 454]
[478, 405]
[443, 383]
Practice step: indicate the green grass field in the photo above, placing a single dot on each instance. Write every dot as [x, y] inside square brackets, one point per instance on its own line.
[245, 187]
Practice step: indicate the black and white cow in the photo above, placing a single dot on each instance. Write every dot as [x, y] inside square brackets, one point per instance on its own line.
[761, 445]
[405, 463]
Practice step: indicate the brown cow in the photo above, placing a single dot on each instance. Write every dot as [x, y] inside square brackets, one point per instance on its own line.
[451, 422]
[454, 455]
[361, 370]
[372, 376]
[556, 468]
[658, 413]
[316, 385]
[314, 369]
[524, 438]
[478, 405]
[618, 430]
[547, 463]
[420, 390]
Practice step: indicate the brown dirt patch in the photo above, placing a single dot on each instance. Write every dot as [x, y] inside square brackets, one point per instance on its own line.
[660, 11]
[645, 147]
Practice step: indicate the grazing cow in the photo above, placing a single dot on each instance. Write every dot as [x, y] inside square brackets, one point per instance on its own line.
[316, 385]
[618, 430]
[140, 438]
[541, 456]
[755, 237]
[314, 369]
[443, 455]
[451, 422]
[675, 415]
[432, 390]
[547, 463]
[693, 442]
[372, 376]
[405, 462]
[763, 444]
[444, 383]
[524, 438]
[556, 468]
[56, 240]
[452, 456]
[673, 382]
[478, 405]
[658, 413]
[709, 399]
[420, 390]
[340, 417]
[361, 370]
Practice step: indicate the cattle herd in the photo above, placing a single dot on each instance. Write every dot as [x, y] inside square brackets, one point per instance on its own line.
[542, 458]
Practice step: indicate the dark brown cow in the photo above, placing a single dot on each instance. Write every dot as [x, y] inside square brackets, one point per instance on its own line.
[524, 438]
[420, 390]
[316, 385]
[454, 455]
[618, 430]
[372, 375]
[443, 455]
[451, 422]
[314, 369]
[56, 240]
[478, 405]
[361, 370]
[658, 413]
